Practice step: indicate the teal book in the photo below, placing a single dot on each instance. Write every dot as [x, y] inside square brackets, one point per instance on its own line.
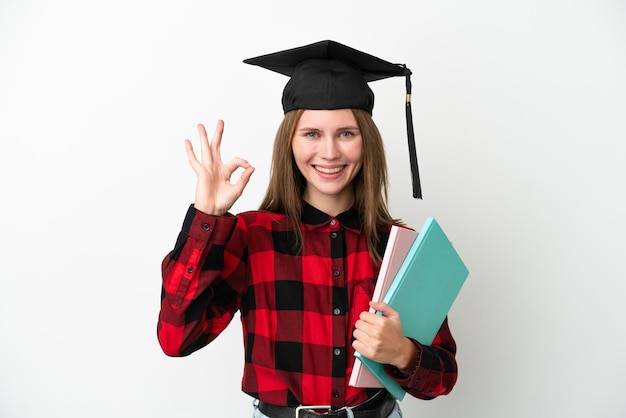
[427, 283]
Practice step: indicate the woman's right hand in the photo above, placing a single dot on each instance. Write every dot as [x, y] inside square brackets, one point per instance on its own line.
[215, 194]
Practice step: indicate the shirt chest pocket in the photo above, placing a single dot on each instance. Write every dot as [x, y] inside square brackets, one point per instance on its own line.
[361, 297]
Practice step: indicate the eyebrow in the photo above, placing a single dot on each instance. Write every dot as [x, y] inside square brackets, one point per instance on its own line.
[344, 128]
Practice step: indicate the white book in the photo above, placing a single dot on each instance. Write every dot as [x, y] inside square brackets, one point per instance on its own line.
[400, 241]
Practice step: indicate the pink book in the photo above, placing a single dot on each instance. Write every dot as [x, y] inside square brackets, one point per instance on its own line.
[400, 241]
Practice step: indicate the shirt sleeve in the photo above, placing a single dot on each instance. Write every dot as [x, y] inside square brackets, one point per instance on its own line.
[436, 372]
[197, 301]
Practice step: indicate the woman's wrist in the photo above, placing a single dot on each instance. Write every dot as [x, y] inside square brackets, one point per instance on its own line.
[409, 365]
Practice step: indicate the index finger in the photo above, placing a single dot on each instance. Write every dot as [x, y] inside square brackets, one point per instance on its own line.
[370, 318]
[382, 307]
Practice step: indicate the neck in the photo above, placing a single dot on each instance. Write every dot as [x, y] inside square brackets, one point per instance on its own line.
[332, 205]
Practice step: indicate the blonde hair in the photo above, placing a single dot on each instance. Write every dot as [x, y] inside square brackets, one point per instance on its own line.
[287, 184]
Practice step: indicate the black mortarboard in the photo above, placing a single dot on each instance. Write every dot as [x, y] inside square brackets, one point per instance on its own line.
[328, 75]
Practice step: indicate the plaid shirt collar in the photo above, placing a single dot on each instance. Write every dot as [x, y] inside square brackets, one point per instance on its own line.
[314, 218]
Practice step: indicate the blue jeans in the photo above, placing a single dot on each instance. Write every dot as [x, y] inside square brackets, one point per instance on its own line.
[396, 413]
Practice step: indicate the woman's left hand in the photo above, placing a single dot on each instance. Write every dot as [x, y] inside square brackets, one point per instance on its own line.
[380, 338]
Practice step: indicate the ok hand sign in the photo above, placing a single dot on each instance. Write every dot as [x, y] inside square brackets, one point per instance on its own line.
[215, 194]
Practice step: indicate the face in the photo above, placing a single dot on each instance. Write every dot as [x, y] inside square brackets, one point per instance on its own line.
[328, 150]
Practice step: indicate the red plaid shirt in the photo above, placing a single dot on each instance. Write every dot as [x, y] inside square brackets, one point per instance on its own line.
[298, 306]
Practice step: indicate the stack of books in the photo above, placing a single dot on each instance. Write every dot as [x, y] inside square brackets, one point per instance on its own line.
[420, 276]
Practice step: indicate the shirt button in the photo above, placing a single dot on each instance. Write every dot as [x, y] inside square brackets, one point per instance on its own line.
[333, 222]
[335, 393]
[336, 311]
[337, 351]
[336, 273]
[333, 235]
[206, 227]
[190, 269]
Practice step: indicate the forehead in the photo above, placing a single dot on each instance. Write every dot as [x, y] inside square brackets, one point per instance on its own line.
[339, 118]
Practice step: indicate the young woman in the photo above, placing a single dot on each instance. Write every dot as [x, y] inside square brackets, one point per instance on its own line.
[302, 269]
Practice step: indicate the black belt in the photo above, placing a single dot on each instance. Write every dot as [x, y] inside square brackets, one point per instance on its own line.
[378, 406]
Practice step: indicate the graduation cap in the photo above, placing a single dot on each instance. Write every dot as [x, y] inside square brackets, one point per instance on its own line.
[327, 75]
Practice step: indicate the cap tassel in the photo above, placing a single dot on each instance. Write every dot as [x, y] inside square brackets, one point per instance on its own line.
[415, 176]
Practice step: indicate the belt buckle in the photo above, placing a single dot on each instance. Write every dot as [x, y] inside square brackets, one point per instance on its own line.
[309, 407]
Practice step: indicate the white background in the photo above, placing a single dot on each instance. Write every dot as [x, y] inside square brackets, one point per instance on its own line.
[520, 115]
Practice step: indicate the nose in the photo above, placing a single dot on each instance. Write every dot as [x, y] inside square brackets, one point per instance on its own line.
[329, 149]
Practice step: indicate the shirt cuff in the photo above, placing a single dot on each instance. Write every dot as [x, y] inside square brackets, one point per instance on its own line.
[205, 227]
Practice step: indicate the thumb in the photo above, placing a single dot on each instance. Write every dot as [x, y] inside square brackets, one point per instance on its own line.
[244, 179]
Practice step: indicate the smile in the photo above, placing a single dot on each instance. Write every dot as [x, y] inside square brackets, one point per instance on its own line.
[332, 170]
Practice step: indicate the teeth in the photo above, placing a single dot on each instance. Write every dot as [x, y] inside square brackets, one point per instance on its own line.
[328, 170]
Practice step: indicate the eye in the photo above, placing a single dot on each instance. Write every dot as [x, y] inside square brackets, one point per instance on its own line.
[347, 134]
[311, 134]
